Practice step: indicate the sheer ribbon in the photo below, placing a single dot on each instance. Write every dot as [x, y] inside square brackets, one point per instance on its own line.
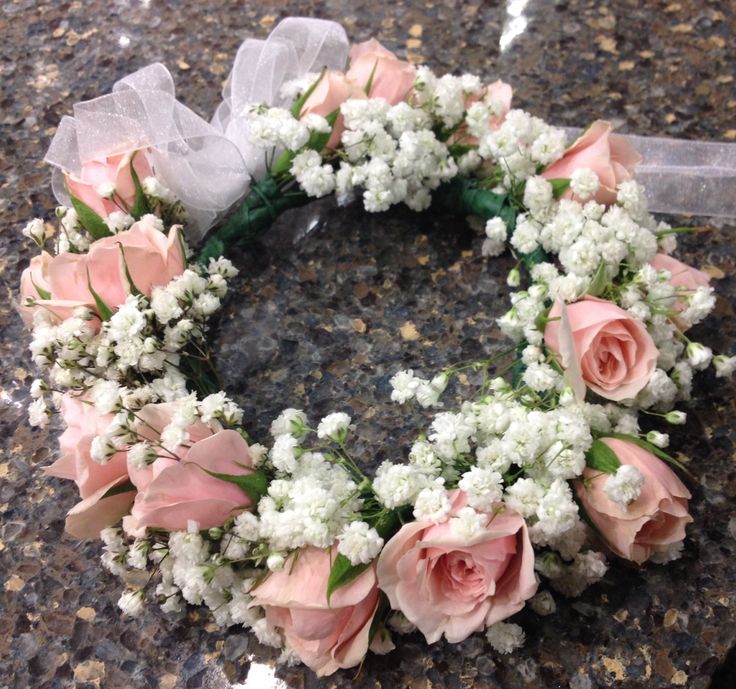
[297, 46]
[201, 166]
[683, 176]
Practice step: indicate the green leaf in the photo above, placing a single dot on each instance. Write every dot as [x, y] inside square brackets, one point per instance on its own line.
[133, 289]
[650, 448]
[600, 281]
[254, 485]
[102, 308]
[369, 85]
[379, 619]
[459, 150]
[342, 573]
[678, 230]
[140, 205]
[44, 294]
[296, 109]
[602, 458]
[559, 186]
[386, 524]
[125, 487]
[89, 219]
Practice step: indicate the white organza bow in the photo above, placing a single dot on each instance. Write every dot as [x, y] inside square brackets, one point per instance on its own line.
[692, 177]
[201, 166]
[294, 48]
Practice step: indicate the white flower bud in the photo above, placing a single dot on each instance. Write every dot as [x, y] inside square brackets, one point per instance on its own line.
[676, 418]
[106, 190]
[658, 439]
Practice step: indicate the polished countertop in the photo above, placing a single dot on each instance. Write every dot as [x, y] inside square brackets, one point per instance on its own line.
[317, 322]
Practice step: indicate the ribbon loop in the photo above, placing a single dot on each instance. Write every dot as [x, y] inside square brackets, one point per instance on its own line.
[203, 168]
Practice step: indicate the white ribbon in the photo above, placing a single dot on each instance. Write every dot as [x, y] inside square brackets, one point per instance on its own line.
[690, 177]
[202, 168]
[297, 46]
[684, 177]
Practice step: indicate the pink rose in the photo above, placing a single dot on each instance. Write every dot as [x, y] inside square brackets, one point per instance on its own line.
[36, 283]
[176, 489]
[611, 157]
[685, 278]
[392, 78]
[325, 635]
[656, 519]
[333, 89]
[95, 512]
[614, 351]
[152, 259]
[446, 583]
[113, 170]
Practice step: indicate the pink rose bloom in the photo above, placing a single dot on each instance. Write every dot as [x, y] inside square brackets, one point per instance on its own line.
[333, 89]
[173, 491]
[685, 278]
[37, 280]
[95, 512]
[392, 78]
[611, 157]
[614, 351]
[325, 635]
[448, 584]
[113, 170]
[153, 259]
[655, 520]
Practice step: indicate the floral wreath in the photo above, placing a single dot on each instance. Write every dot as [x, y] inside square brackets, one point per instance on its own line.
[504, 499]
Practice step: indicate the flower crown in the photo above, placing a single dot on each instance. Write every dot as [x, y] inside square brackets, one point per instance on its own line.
[506, 497]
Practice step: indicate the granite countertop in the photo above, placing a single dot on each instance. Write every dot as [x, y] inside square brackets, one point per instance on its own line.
[318, 319]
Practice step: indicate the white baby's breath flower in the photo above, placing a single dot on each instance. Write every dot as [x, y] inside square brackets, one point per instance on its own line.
[275, 562]
[428, 394]
[658, 439]
[283, 454]
[132, 603]
[290, 421]
[677, 418]
[724, 365]
[38, 413]
[140, 454]
[359, 542]
[698, 355]
[624, 486]
[334, 426]
[505, 637]
[152, 187]
[404, 385]
[432, 505]
[106, 190]
[584, 182]
[35, 230]
[543, 603]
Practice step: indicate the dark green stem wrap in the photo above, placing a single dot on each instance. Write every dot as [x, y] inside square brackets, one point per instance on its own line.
[266, 200]
[463, 196]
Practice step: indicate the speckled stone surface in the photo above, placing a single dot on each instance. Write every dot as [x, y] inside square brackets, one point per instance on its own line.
[317, 322]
